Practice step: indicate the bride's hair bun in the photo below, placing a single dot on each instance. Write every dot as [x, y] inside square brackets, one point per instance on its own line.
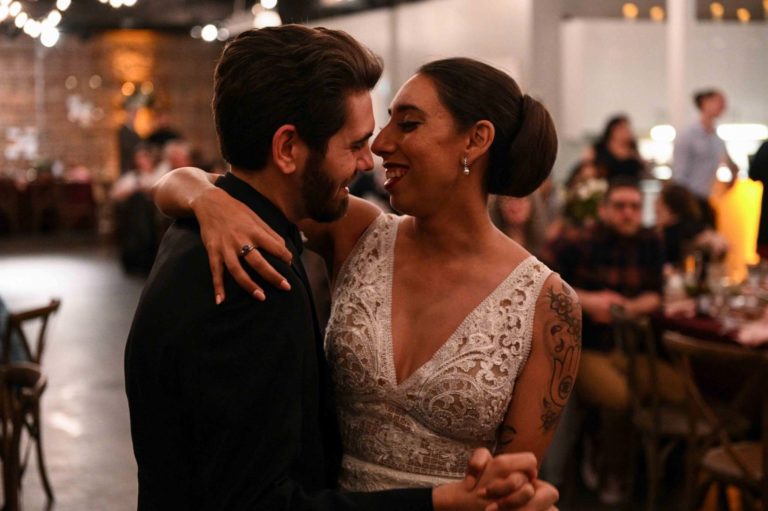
[525, 146]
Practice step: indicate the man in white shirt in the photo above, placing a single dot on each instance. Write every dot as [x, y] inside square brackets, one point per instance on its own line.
[699, 151]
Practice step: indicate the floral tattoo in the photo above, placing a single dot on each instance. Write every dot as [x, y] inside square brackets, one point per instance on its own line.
[563, 338]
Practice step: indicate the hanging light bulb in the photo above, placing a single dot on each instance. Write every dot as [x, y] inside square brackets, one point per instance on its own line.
[14, 9]
[21, 19]
[657, 13]
[209, 33]
[53, 18]
[269, 4]
[63, 5]
[717, 10]
[32, 28]
[630, 10]
[743, 14]
[49, 36]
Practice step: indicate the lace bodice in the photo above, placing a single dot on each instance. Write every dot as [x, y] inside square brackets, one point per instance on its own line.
[421, 431]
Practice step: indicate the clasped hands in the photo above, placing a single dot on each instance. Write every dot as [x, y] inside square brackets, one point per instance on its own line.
[507, 482]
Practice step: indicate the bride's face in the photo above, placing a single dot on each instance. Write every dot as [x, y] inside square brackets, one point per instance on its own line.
[422, 149]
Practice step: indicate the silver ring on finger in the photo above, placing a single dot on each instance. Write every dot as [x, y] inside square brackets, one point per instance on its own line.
[246, 249]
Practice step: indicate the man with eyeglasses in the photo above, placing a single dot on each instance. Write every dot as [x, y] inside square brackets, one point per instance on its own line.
[616, 262]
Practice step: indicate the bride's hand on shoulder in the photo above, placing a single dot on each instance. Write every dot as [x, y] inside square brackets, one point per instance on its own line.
[228, 228]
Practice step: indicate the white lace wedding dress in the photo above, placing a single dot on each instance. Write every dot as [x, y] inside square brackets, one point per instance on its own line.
[422, 431]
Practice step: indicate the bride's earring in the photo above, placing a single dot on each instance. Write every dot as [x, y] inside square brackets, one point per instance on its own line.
[465, 162]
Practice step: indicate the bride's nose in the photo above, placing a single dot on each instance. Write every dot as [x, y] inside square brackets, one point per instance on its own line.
[382, 144]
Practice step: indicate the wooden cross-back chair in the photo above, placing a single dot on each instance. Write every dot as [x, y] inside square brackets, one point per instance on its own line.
[17, 331]
[658, 425]
[22, 384]
[721, 459]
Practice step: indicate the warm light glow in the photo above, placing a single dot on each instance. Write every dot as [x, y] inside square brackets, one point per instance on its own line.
[223, 34]
[267, 19]
[663, 133]
[657, 13]
[128, 89]
[32, 28]
[94, 82]
[269, 4]
[63, 5]
[630, 10]
[14, 9]
[742, 132]
[717, 10]
[765, 5]
[663, 172]
[71, 82]
[3, 12]
[195, 31]
[743, 14]
[724, 174]
[21, 19]
[147, 88]
[49, 37]
[116, 3]
[209, 33]
[53, 19]
[129, 3]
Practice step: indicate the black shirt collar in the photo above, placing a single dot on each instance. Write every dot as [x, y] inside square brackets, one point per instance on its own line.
[262, 206]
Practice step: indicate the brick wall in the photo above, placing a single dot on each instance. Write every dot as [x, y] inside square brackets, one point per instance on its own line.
[71, 94]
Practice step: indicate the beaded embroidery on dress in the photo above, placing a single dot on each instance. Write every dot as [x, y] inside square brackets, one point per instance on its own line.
[421, 431]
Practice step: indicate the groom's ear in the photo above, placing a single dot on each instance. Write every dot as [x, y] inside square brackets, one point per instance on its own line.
[287, 149]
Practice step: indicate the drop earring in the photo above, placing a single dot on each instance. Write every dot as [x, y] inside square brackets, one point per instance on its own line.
[466, 166]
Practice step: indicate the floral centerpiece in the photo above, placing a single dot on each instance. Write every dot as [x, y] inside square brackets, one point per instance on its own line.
[583, 200]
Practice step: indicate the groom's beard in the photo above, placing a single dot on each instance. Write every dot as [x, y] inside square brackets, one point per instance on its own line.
[320, 194]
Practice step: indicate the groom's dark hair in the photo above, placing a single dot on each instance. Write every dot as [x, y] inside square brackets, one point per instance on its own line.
[286, 75]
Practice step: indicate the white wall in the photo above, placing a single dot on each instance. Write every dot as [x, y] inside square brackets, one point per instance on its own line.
[584, 70]
[611, 66]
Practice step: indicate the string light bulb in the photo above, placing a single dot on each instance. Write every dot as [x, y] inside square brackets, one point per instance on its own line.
[21, 19]
[63, 5]
[14, 9]
[717, 10]
[49, 37]
[657, 13]
[630, 10]
[743, 14]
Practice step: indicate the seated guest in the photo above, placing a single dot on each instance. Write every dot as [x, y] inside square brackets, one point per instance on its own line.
[678, 217]
[615, 262]
[136, 216]
[520, 219]
[681, 223]
[616, 150]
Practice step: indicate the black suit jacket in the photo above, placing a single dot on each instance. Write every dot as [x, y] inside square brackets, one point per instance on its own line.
[231, 406]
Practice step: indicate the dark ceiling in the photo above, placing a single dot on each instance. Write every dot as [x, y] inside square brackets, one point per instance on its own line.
[89, 16]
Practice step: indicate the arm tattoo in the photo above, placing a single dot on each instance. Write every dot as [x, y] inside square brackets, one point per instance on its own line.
[508, 434]
[563, 336]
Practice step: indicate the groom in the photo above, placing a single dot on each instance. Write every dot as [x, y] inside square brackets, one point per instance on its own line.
[231, 405]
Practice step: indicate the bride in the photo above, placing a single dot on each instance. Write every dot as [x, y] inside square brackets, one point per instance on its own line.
[444, 334]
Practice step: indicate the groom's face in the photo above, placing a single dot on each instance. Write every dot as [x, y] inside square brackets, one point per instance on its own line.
[326, 178]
